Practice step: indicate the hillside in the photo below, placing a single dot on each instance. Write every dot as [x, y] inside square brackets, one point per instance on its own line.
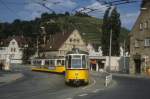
[89, 27]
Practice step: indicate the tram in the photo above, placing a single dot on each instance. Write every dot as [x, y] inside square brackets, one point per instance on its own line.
[55, 65]
[77, 70]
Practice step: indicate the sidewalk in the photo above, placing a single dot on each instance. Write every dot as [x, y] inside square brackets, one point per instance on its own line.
[8, 77]
[132, 75]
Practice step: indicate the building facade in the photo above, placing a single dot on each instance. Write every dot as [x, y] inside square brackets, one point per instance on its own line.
[12, 49]
[140, 41]
[60, 43]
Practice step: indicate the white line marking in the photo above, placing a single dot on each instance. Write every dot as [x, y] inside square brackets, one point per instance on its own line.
[68, 98]
[83, 95]
[94, 82]
[97, 90]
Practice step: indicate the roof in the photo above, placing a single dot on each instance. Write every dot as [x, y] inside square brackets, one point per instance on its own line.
[56, 41]
[21, 40]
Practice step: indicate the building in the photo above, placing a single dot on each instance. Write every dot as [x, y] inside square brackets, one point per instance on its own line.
[140, 41]
[60, 43]
[12, 48]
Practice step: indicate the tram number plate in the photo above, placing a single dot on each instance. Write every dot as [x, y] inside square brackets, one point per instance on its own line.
[52, 68]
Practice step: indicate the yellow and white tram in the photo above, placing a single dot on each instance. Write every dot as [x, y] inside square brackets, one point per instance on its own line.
[55, 65]
[77, 67]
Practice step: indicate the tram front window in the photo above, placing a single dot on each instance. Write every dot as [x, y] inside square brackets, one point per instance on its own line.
[76, 63]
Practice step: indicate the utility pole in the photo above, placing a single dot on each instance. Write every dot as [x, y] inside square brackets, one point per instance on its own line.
[124, 57]
[110, 50]
[43, 34]
[37, 45]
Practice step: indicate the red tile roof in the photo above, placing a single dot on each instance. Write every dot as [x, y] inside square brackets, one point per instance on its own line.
[21, 40]
[55, 42]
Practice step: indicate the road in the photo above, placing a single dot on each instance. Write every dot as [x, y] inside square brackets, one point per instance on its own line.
[37, 85]
[126, 88]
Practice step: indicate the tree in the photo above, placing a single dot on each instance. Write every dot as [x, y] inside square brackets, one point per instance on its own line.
[67, 13]
[105, 33]
[116, 28]
[80, 14]
[111, 21]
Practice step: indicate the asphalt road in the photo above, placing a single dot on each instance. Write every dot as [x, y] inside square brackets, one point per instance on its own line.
[126, 88]
[38, 85]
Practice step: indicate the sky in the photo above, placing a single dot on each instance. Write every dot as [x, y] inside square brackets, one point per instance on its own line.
[30, 9]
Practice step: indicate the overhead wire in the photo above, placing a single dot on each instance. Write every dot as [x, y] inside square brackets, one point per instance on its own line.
[8, 8]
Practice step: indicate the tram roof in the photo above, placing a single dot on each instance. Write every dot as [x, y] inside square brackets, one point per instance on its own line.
[77, 51]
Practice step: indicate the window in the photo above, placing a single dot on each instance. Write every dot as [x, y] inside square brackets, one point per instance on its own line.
[46, 62]
[76, 63]
[78, 40]
[14, 49]
[52, 62]
[71, 40]
[141, 26]
[146, 25]
[83, 61]
[136, 43]
[147, 42]
[74, 40]
[63, 62]
[11, 49]
[59, 62]
[1, 48]
[13, 43]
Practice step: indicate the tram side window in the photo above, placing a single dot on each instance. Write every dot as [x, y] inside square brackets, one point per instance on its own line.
[52, 62]
[83, 61]
[34, 62]
[63, 62]
[46, 62]
[39, 62]
[59, 62]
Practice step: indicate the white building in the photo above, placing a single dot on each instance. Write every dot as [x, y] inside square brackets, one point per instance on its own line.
[118, 64]
[92, 51]
[12, 48]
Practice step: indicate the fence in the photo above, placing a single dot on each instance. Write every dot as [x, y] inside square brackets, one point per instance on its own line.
[108, 80]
